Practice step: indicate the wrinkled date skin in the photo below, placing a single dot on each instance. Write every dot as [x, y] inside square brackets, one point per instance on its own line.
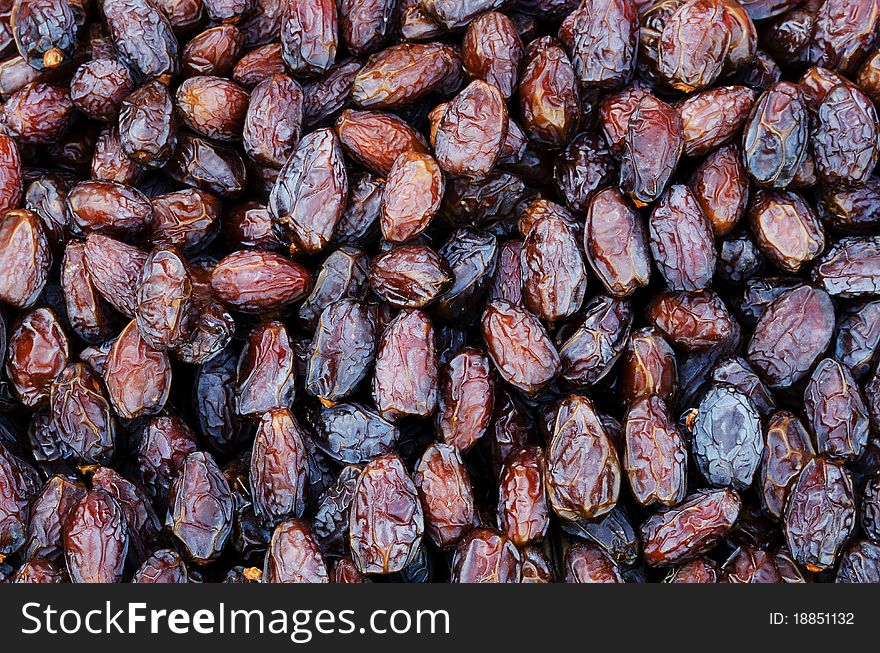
[523, 512]
[605, 39]
[309, 196]
[682, 242]
[727, 442]
[651, 150]
[200, 508]
[519, 346]
[616, 243]
[96, 539]
[550, 246]
[655, 454]
[465, 398]
[775, 137]
[445, 491]
[486, 556]
[835, 411]
[405, 375]
[582, 469]
[472, 131]
[410, 291]
[820, 514]
[592, 349]
[845, 138]
[794, 331]
[691, 528]
[387, 519]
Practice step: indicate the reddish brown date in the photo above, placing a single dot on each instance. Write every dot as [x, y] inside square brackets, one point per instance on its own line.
[386, 521]
[445, 491]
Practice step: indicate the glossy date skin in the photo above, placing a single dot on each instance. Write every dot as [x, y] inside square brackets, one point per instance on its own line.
[691, 528]
[445, 491]
[655, 454]
[387, 519]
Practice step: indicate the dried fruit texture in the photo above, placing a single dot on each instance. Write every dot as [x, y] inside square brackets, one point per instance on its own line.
[375, 139]
[693, 45]
[164, 310]
[341, 350]
[791, 335]
[187, 219]
[786, 229]
[273, 122]
[582, 470]
[472, 256]
[848, 268]
[519, 346]
[278, 467]
[266, 371]
[844, 33]
[45, 32]
[25, 258]
[682, 242]
[593, 348]
[554, 276]
[200, 508]
[446, 494]
[694, 321]
[165, 442]
[254, 281]
[691, 528]
[143, 37]
[787, 448]
[615, 241]
[587, 563]
[148, 125]
[404, 74]
[858, 337]
[410, 276]
[50, 510]
[38, 113]
[835, 411]
[82, 418]
[472, 131]
[212, 52]
[10, 174]
[96, 539]
[309, 32]
[651, 150]
[37, 352]
[845, 138]
[386, 521]
[405, 375]
[820, 514]
[143, 524]
[163, 566]
[701, 570]
[523, 512]
[860, 564]
[327, 95]
[486, 556]
[727, 442]
[712, 118]
[18, 484]
[354, 434]
[465, 399]
[114, 268]
[330, 523]
[138, 377]
[776, 135]
[492, 51]
[309, 196]
[585, 166]
[411, 197]
[604, 36]
[655, 454]
[212, 106]
[548, 96]
[202, 164]
[294, 556]
[649, 366]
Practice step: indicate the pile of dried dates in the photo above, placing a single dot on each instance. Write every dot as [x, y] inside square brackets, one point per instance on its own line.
[439, 290]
